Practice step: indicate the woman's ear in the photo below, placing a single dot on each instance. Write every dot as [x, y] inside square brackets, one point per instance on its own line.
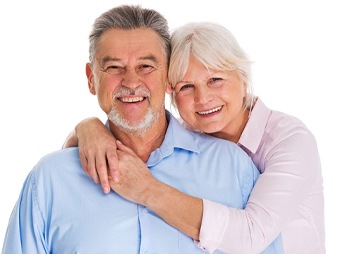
[168, 88]
[90, 77]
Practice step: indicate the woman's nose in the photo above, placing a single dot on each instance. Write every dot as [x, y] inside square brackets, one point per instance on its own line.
[202, 95]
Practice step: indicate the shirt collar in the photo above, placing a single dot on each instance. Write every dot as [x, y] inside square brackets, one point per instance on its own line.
[176, 136]
[255, 128]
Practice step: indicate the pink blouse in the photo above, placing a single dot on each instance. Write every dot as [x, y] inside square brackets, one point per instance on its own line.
[287, 198]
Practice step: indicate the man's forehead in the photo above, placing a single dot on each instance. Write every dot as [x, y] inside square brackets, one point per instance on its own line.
[131, 38]
[139, 44]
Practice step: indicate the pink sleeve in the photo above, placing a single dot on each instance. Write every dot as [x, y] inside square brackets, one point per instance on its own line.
[212, 231]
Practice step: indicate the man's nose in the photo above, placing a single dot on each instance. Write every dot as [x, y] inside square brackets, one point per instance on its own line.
[131, 79]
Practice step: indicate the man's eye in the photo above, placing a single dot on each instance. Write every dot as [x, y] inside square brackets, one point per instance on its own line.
[113, 69]
[145, 68]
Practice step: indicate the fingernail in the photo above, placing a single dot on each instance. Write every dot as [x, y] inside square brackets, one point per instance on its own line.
[106, 190]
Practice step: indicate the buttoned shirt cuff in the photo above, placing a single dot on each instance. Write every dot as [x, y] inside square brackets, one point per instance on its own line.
[214, 223]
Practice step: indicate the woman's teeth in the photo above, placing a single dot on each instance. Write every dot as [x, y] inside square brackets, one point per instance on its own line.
[209, 111]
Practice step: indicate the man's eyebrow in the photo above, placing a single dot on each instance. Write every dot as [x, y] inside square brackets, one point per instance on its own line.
[148, 57]
[108, 58]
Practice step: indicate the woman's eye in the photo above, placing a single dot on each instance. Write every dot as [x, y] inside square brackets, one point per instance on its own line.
[186, 86]
[215, 80]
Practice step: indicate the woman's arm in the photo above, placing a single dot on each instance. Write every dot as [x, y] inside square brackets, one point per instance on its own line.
[137, 184]
[97, 149]
[285, 194]
[71, 140]
[180, 210]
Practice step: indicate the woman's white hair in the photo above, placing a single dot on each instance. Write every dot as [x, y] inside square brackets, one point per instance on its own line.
[212, 45]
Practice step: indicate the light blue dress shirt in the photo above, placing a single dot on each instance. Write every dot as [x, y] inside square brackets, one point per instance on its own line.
[61, 210]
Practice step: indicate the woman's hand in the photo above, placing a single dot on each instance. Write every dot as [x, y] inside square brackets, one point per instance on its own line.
[135, 179]
[97, 149]
[137, 184]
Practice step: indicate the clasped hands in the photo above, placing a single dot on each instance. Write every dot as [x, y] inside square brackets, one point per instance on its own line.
[116, 167]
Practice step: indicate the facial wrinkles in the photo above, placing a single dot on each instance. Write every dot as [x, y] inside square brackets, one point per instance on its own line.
[143, 125]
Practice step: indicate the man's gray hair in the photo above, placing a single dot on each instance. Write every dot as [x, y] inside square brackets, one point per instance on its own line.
[130, 17]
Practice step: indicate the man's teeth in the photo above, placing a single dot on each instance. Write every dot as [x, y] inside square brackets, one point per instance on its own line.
[133, 99]
[209, 111]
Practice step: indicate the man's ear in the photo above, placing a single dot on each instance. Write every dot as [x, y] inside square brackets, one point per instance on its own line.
[168, 88]
[90, 77]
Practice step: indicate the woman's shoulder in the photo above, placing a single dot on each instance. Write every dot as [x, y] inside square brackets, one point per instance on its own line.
[284, 122]
[278, 121]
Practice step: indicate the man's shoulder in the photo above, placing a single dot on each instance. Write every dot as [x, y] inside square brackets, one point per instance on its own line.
[56, 173]
[60, 156]
[179, 125]
[221, 149]
[213, 141]
[202, 142]
[57, 160]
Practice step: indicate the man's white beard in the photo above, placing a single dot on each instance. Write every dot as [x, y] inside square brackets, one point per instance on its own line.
[142, 126]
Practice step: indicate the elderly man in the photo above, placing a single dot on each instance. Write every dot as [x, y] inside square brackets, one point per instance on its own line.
[61, 210]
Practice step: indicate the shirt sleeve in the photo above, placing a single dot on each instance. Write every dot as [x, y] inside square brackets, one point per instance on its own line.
[291, 169]
[212, 231]
[25, 229]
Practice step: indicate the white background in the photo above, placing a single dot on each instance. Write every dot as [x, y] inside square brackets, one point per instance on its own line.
[301, 54]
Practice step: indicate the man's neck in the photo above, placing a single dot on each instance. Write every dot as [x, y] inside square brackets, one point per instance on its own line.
[143, 144]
